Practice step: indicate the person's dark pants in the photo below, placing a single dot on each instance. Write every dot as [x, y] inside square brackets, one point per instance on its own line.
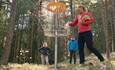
[87, 37]
[72, 54]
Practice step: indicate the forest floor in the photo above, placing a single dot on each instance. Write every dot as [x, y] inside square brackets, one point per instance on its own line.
[92, 63]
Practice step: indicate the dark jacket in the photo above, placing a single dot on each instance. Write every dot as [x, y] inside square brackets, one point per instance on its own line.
[44, 50]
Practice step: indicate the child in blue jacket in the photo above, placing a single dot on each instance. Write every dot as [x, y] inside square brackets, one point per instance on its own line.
[72, 46]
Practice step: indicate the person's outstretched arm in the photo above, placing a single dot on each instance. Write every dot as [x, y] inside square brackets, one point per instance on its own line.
[72, 24]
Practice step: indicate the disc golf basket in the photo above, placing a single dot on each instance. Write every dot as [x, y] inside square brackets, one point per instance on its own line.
[56, 28]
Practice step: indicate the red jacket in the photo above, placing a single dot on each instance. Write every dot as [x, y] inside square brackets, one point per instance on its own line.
[78, 21]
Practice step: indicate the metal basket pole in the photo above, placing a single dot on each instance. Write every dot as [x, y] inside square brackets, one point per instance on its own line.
[56, 40]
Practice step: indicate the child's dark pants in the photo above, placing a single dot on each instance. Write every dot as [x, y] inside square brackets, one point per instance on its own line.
[72, 53]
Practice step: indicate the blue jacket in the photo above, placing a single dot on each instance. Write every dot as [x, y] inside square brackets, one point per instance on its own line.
[72, 45]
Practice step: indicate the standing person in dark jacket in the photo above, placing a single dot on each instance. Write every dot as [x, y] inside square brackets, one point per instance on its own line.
[83, 21]
[72, 46]
[44, 50]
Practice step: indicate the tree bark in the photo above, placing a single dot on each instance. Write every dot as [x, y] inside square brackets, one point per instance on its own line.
[105, 27]
[113, 18]
[17, 45]
[113, 3]
[71, 6]
[9, 35]
[0, 5]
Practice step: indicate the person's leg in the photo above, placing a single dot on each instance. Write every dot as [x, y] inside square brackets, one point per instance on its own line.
[46, 59]
[74, 57]
[42, 59]
[81, 42]
[89, 43]
[70, 57]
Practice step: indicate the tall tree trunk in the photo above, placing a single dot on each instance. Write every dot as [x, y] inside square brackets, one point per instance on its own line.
[113, 18]
[17, 45]
[105, 26]
[9, 36]
[39, 28]
[30, 41]
[71, 7]
[0, 5]
[113, 5]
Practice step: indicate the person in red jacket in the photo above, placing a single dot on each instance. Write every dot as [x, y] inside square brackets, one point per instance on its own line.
[83, 21]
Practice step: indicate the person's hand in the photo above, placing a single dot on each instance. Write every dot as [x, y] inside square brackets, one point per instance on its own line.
[84, 19]
[84, 22]
[66, 25]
